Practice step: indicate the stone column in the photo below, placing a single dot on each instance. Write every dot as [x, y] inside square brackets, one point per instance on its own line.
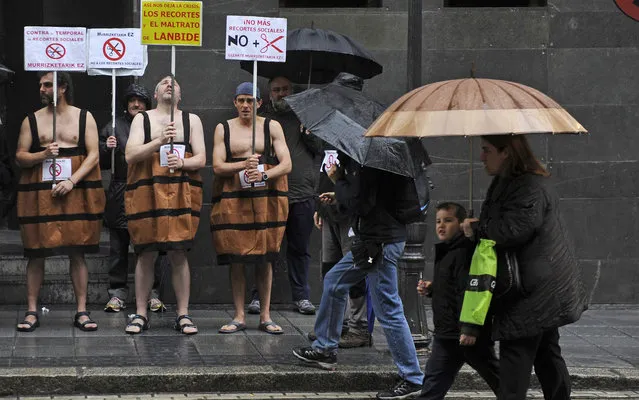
[410, 268]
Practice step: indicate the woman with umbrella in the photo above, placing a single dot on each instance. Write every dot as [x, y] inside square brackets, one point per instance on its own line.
[521, 214]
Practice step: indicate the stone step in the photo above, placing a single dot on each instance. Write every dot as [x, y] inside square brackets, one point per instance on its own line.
[57, 287]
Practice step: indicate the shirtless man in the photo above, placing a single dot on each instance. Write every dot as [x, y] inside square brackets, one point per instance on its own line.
[176, 186]
[242, 237]
[61, 219]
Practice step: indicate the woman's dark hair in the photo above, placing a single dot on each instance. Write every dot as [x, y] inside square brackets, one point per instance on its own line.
[520, 158]
[64, 79]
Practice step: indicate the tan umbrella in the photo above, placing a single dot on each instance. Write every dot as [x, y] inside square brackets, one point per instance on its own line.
[473, 107]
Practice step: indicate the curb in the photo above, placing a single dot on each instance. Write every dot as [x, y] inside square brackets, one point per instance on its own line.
[278, 378]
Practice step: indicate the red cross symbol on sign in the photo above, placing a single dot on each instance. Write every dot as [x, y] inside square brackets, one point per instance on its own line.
[270, 44]
[55, 167]
[55, 51]
[113, 49]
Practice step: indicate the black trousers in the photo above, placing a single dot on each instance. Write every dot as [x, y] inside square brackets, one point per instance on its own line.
[119, 263]
[298, 258]
[517, 358]
[446, 359]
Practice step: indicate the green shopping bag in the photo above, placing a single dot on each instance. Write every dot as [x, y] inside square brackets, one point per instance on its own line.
[481, 283]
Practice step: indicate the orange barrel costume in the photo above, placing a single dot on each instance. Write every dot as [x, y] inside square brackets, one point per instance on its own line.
[248, 224]
[162, 209]
[60, 225]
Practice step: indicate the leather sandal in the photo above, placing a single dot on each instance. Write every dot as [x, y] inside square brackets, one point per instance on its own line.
[142, 327]
[83, 325]
[181, 327]
[32, 325]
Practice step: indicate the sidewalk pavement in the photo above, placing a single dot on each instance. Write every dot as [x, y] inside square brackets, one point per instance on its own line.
[601, 350]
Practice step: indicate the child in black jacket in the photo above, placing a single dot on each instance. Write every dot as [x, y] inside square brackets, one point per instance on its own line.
[452, 263]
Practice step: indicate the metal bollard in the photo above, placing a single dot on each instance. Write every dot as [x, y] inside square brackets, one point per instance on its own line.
[410, 268]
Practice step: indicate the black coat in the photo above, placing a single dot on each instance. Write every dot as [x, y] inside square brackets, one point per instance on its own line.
[369, 196]
[522, 214]
[450, 278]
[114, 216]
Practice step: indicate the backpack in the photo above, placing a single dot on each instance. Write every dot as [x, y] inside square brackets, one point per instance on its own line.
[408, 207]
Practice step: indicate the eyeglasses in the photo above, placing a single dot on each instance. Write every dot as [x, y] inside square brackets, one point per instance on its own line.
[247, 100]
[46, 84]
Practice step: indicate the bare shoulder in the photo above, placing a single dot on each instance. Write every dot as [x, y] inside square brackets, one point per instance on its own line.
[275, 128]
[41, 112]
[192, 115]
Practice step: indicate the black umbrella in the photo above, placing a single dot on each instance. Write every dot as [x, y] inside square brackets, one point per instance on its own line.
[339, 115]
[317, 56]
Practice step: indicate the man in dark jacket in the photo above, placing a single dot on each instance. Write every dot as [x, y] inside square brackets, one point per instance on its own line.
[136, 98]
[301, 194]
[370, 196]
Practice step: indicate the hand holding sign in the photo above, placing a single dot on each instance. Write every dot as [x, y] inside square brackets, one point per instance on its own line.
[168, 133]
[252, 162]
[52, 150]
[111, 142]
[174, 161]
[62, 188]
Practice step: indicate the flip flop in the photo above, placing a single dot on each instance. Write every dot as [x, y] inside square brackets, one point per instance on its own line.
[239, 326]
[264, 328]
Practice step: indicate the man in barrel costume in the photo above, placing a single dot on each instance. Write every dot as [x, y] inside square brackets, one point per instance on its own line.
[163, 197]
[250, 205]
[64, 218]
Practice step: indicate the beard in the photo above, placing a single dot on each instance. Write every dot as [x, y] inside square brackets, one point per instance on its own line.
[280, 105]
[46, 99]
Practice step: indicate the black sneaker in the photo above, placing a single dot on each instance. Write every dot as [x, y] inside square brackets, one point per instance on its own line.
[310, 355]
[403, 390]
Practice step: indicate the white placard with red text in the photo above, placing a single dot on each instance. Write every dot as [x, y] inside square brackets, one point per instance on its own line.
[255, 38]
[51, 48]
[63, 169]
[115, 48]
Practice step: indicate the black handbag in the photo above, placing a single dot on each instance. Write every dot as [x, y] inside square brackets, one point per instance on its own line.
[508, 282]
[366, 254]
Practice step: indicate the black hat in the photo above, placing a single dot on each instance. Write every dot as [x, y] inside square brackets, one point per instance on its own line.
[140, 91]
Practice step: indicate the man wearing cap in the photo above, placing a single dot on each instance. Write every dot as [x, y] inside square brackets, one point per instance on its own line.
[136, 99]
[250, 205]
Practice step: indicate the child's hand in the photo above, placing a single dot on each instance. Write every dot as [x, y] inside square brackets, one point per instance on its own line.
[467, 340]
[424, 288]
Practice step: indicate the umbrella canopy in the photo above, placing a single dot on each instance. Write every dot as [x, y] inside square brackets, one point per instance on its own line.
[473, 107]
[319, 54]
[338, 114]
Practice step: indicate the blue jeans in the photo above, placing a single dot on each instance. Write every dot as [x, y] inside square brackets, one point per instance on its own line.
[386, 304]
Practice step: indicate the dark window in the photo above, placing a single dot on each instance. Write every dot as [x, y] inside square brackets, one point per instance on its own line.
[329, 3]
[495, 3]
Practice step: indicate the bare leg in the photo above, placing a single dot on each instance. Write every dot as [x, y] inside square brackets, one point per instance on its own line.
[80, 279]
[181, 275]
[35, 276]
[264, 281]
[143, 280]
[238, 287]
